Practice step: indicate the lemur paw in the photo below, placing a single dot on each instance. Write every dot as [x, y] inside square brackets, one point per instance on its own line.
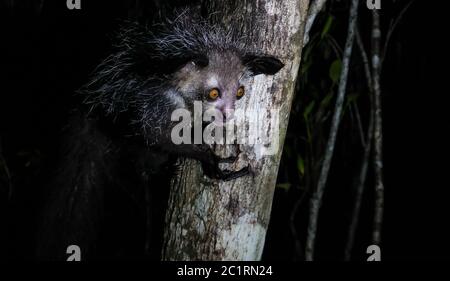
[229, 160]
[213, 170]
[227, 175]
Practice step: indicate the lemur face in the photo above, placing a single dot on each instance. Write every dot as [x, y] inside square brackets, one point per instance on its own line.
[222, 82]
[219, 84]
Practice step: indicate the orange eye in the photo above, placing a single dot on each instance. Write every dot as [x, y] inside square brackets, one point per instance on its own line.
[240, 92]
[213, 94]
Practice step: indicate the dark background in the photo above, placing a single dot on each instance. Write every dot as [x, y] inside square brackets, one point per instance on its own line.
[48, 53]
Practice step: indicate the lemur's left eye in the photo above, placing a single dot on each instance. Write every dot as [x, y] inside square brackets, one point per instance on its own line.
[240, 92]
[213, 94]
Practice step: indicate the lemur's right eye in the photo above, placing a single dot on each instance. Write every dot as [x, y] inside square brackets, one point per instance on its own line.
[240, 92]
[213, 94]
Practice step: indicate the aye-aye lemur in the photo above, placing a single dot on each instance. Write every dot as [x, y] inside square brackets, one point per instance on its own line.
[125, 126]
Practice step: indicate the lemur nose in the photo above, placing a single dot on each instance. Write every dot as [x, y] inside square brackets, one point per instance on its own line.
[227, 114]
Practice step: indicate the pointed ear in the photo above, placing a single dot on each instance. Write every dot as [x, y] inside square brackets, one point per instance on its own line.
[268, 65]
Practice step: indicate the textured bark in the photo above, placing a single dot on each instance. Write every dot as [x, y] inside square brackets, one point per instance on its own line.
[214, 220]
[378, 138]
[314, 9]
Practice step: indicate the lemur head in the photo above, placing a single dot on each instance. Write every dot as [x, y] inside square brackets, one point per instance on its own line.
[219, 79]
[155, 70]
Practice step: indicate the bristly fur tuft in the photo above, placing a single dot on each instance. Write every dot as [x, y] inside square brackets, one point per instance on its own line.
[137, 76]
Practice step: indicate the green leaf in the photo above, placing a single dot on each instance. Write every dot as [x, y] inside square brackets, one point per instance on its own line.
[352, 97]
[300, 165]
[326, 100]
[308, 110]
[284, 186]
[335, 70]
[326, 27]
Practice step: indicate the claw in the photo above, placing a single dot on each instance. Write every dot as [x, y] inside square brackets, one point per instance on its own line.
[229, 160]
[211, 168]
[227, 175]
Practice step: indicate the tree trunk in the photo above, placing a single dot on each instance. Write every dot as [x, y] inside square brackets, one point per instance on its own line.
[215, 220]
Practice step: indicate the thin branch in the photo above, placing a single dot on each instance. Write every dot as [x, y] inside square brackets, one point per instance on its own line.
[336, 48]
[298, 203]
[378, 140]
[6, 172]
[360, 186]
[39, 5]
[313, 11]
[359, 124]
[392, 27]
[316, 198]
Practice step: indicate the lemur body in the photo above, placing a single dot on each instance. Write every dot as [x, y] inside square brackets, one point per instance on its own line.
[126, 120]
